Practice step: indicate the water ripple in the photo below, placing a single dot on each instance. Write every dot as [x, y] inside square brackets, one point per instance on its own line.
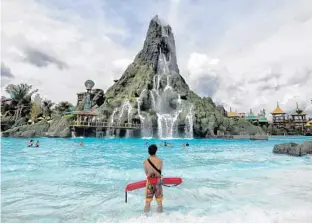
[222, 181]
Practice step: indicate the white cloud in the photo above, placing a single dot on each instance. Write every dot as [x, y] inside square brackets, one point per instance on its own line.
[268, 59]
[120, 66]
[243, 55]
[37, 40]
[204, 76]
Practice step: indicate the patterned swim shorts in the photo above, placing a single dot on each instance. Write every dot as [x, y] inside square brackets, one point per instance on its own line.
[154, 189]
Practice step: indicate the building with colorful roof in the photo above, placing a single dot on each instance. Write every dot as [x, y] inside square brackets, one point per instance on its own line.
[278, 117]
[251, 116]
[232, 114]
[262, 120]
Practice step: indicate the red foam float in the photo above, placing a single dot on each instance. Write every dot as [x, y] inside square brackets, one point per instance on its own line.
[141, 184]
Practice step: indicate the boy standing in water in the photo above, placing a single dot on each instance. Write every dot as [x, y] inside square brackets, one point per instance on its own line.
[153, 167]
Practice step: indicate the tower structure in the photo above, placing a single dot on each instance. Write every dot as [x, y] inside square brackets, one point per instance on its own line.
[89, 84]
[278, 117]
[299, 119]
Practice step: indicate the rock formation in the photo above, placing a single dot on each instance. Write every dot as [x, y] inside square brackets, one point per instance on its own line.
[58, 127]
[27, 131]
[152, 87]
[294, 149]
[157, 96]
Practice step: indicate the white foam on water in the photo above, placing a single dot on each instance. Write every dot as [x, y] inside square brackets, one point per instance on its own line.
[244, 214]
[223, 181]
[273, 197]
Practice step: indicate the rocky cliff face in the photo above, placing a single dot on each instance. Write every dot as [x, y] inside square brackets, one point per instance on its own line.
[27, 131]
[140, 74]
[58, 127]
[152, 91]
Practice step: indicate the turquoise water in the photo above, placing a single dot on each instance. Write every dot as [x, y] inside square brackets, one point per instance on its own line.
[224, 181]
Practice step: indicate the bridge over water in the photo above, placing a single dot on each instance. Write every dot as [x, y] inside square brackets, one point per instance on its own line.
[96, 124]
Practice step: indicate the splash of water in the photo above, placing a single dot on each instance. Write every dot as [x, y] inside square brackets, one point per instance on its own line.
[73, 135]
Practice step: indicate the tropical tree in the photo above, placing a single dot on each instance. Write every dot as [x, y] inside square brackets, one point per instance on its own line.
[63, 106]
[36, 108]
[46, 108]
[21, 98]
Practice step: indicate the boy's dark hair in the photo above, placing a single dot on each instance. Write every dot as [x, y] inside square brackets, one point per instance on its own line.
[152, 149]
[31, 140]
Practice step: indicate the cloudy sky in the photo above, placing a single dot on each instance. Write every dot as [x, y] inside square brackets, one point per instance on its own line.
[244, 54]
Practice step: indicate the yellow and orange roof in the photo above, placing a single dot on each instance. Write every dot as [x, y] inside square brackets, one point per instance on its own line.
[278, 110]
[232, 114]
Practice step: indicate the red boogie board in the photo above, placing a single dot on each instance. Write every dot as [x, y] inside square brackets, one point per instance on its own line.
[142, 184]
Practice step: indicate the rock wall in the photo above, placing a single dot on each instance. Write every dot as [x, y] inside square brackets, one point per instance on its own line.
[294, 149]
[138, 80]
[28, 131]
[59, 127]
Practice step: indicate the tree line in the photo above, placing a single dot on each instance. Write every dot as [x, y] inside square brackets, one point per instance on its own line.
[26, 102]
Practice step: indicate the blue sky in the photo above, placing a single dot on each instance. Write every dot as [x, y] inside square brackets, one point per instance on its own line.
[245, 54]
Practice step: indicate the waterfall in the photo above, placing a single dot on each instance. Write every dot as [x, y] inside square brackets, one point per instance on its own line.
[73, 135]
[164, 101]
[167, 116]
[110, 130]
[189, 123]
[126, 106]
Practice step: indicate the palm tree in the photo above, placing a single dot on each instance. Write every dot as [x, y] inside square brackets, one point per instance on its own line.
[46, 108]
[63, 106]
[21, 98]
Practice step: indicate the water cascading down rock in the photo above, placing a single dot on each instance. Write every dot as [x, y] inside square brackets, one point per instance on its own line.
[153, 86]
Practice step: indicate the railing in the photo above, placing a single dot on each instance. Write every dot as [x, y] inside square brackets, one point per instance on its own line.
[104, 124]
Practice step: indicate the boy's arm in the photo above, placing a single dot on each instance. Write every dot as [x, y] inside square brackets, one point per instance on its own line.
[146, 171]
